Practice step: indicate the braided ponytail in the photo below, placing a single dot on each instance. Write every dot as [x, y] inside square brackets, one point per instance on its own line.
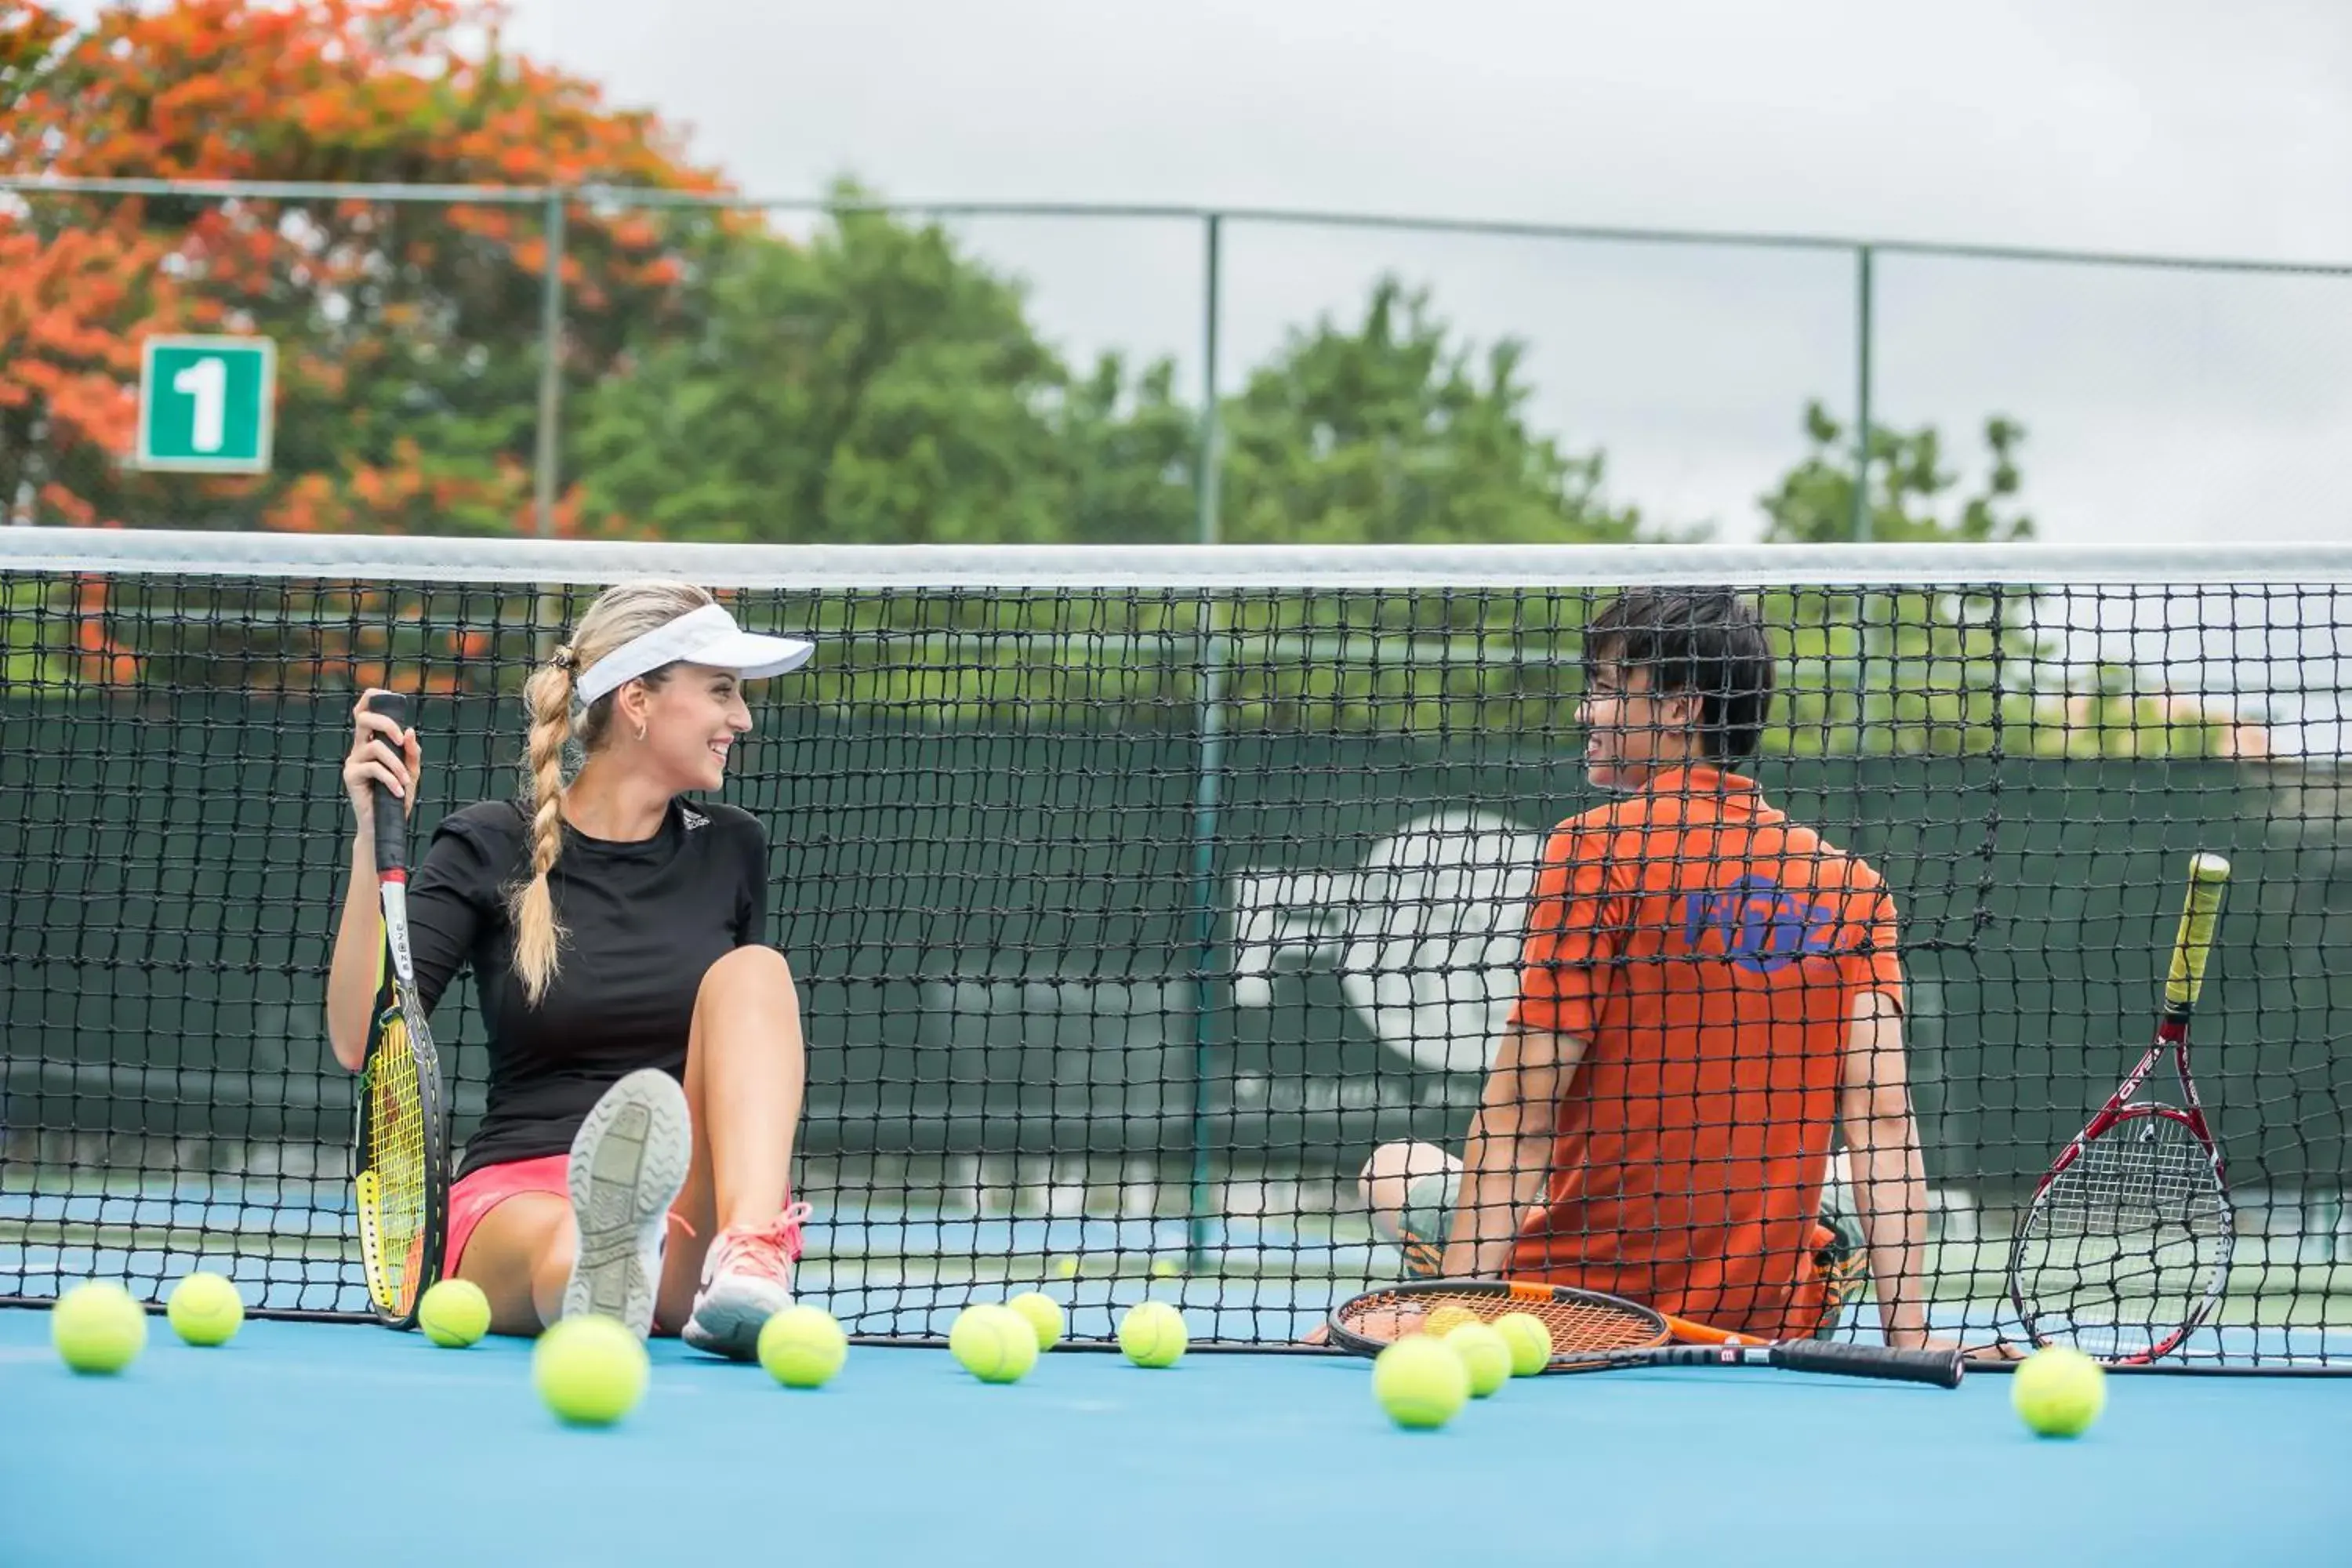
[620, 614]
[538, 934]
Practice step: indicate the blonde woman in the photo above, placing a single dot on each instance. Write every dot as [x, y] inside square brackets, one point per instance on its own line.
[645, 1054]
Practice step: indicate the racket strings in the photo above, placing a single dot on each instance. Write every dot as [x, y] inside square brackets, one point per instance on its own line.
[1576, 1327]
[394, 1202]
[2130, 1244]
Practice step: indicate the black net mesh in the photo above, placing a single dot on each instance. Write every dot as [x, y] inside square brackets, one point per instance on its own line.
[1132, 918]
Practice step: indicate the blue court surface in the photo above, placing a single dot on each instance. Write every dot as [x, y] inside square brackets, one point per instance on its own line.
[304, 1443]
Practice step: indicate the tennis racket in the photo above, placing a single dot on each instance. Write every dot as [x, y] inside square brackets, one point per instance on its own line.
[2125, 1246]
[1593, 1333]
[400, 1146]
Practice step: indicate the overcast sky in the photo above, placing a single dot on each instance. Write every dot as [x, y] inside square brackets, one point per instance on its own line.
[2158, 405]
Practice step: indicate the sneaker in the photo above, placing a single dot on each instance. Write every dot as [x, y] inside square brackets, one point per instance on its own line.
[628, 1164]
[746, 1280]
[1841, 1257]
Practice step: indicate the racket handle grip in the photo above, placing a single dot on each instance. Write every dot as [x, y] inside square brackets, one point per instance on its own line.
[1941, 1368]
[391, 811]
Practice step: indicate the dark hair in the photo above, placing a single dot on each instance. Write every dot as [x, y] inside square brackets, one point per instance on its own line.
[1704, 641]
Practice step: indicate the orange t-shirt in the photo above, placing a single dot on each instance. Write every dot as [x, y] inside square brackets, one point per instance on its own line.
[1708, 951]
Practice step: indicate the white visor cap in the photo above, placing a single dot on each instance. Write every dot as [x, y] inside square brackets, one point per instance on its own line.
[707, 636]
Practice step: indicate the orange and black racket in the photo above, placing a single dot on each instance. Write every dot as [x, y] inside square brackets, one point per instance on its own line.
[1593, 1333]
[401, 1159]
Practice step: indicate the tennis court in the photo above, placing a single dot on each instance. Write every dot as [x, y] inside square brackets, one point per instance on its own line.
[275, 1448]
[1132, 910]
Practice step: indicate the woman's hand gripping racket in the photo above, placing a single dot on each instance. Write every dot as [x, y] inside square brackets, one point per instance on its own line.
[401, 1154]
[2125, 1246]
[1593, 1333]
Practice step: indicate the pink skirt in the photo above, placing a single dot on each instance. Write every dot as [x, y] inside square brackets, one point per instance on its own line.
[476, 1194]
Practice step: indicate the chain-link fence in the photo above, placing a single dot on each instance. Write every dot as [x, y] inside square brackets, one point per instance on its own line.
[476, 359]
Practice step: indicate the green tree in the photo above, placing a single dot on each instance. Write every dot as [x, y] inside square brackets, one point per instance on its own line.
[1900, 671]
[878, 385]
[1912, 672]
[1908, 502]
[409, 333]
[1394, 432]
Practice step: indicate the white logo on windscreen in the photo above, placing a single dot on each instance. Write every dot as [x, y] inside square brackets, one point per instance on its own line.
[1424, 937]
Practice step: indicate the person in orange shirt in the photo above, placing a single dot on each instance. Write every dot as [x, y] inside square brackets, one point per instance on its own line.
[1709, 994]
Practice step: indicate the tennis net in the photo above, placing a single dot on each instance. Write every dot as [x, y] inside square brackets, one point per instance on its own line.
[1137, 895]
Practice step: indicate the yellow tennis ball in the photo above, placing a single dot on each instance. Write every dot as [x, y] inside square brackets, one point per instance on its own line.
[993, 1343]
[1530, 1342]
[98, 1328]
[1420, 1382]
[1447, 1319]
[1067, 1267]
[803, 1347]
[1486, 1356]
[1164, 1268]
[589, 1370]
[453, 1314]
[1043, 1313]
[205, 1309]
[1154, 1334]
[2058, 1391]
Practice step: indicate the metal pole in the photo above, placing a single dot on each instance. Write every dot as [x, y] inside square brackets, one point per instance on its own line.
[551, 367]
[1862, 285]
[1212, 311]
[1208, 778]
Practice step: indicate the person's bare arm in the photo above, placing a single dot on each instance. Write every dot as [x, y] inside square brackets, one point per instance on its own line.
[1508, 1156]
[383, 756]
[1890, 1181]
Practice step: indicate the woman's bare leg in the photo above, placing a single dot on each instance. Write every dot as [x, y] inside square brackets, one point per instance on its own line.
[746, 1073]
[520, 1255]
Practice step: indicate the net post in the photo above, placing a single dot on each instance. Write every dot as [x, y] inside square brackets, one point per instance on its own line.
[1862, 331]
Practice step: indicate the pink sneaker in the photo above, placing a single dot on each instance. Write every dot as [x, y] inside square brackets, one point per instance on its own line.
[746, 1280]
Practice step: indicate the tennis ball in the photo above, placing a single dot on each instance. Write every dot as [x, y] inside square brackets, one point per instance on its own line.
[97, 1327]
[1067, 1267]
[1447, 1319]
[803, 1347]
[994, 1344]
[1043, 1313]
[453, 1314]
[589, 1370]
[1530, 1342]
[1420, 1382]
[1164, 1268]
[2058, 1391]
[205, 1309]
[1486, 1356]
[1153, 1334]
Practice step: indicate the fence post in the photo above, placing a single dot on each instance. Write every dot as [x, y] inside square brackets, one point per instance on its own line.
[551, 367]
[1861, 300]
[1207, 527]
[1209, 769]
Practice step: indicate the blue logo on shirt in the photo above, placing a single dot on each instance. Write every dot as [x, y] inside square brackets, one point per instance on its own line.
[1763, 928]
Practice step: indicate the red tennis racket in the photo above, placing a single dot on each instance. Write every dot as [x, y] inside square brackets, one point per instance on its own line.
[2126, 1246]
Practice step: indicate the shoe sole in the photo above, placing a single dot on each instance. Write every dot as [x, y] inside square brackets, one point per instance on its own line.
[628, 1163]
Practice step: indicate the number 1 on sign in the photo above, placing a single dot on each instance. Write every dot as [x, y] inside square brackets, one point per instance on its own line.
[205, 383]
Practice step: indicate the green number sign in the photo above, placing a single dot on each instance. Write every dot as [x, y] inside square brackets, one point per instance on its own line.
[205, 403]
